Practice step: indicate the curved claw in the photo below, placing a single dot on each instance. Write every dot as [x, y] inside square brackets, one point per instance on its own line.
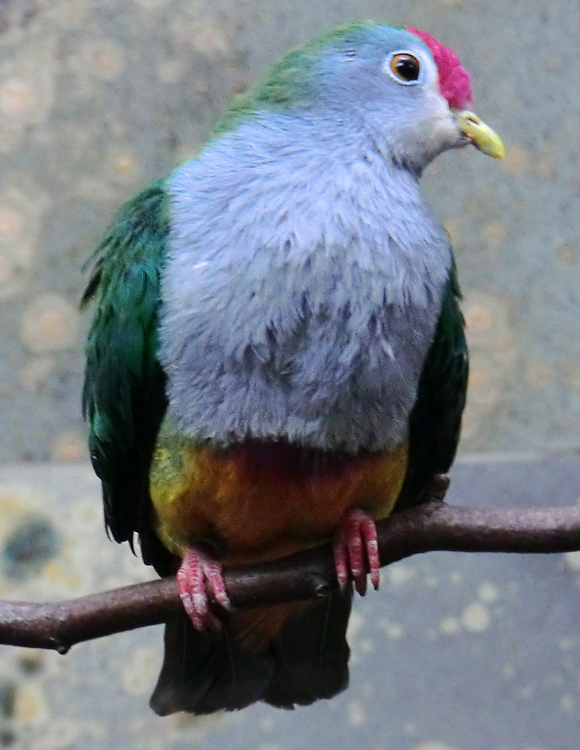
[356, 550]
[200, 577]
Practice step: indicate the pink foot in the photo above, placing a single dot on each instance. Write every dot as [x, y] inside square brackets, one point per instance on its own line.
[198, 576]
[356, 550]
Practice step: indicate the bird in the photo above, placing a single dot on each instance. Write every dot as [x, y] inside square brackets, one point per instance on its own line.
[277, 355]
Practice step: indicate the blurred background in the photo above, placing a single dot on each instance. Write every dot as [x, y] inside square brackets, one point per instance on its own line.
[98, 98]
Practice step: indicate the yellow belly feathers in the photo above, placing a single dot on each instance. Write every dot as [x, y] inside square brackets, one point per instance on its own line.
[263, 501]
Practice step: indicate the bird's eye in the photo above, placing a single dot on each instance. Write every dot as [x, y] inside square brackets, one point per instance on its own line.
[404, 67]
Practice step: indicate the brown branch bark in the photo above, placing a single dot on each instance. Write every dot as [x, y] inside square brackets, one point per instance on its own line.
[429, 527]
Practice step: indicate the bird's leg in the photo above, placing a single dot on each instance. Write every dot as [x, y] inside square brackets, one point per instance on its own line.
[355, 547]
[200, 577]
[437, 487]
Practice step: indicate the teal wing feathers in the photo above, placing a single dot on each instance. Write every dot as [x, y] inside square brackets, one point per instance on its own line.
[124, 389]
[435, 421]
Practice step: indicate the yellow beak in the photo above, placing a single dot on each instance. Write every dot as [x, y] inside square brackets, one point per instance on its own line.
[480, 134]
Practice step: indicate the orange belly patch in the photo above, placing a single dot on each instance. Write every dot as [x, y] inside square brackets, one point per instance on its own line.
[260, 501]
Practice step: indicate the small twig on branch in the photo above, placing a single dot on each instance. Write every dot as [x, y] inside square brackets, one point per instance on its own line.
[429, 527]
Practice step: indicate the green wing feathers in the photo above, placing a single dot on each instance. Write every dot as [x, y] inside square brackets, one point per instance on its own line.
[435, 421]
[124, 390]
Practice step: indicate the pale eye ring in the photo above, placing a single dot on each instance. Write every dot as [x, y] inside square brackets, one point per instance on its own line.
[404, 67]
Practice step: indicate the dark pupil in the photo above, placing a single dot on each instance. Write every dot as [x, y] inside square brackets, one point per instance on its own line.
[407, 68]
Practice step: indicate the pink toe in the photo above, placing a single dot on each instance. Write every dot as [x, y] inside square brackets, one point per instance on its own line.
[215, 579]
[371, 543]
[355, 545]
[340, 551]
[356, 550]
[199, 577]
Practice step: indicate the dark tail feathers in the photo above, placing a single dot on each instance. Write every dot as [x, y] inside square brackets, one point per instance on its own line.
[206, 672]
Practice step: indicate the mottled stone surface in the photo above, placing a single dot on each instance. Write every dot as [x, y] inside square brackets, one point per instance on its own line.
[96, 99]
[455, 651]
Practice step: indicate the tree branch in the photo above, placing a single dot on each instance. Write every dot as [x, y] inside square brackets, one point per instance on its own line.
[429, 527]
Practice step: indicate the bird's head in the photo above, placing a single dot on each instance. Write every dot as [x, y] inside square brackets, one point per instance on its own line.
[406, 89]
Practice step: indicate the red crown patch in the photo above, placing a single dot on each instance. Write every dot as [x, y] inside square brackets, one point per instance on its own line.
[454, 80]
